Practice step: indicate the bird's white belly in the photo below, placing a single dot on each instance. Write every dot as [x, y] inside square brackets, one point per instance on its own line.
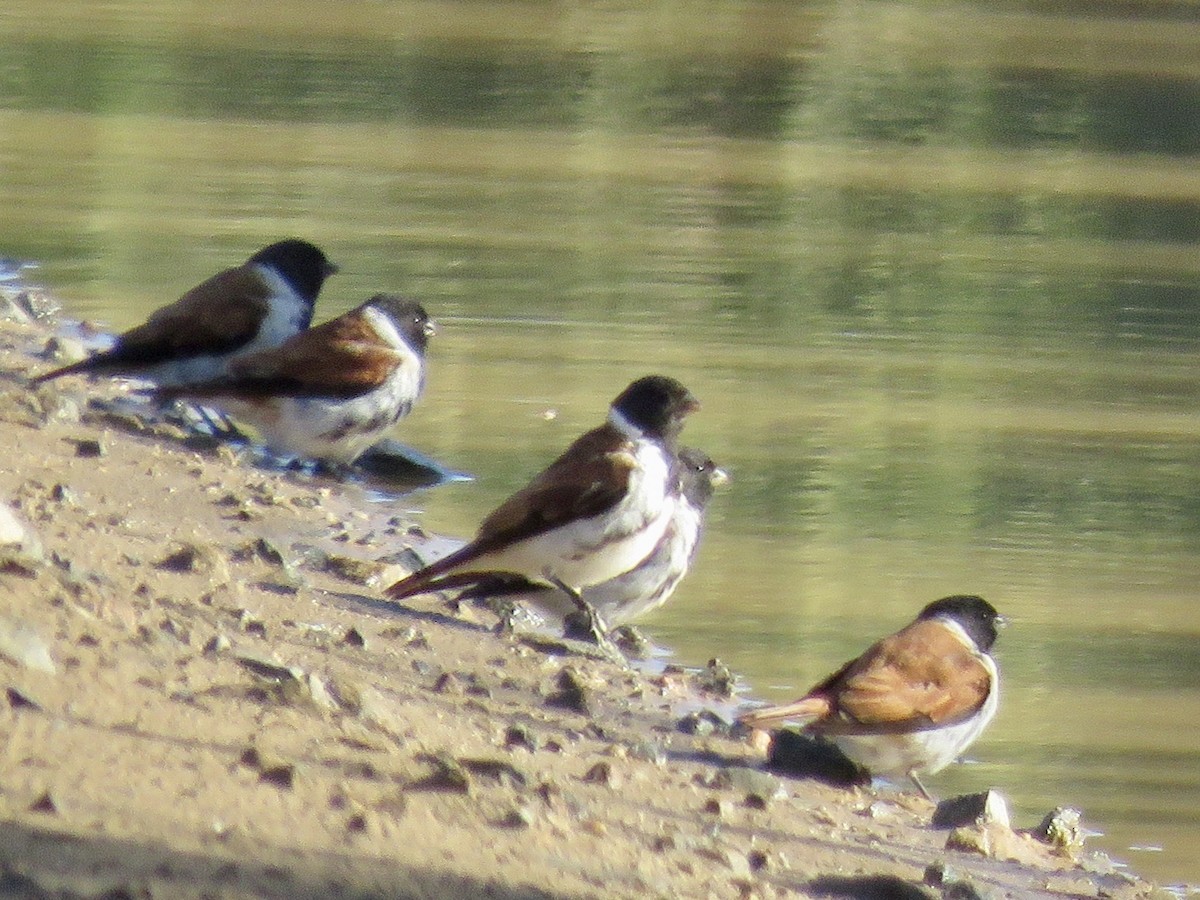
[593, 550]
[926, 751]
[318, 428]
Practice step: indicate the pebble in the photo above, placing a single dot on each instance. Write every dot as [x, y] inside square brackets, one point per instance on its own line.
[20, 643]
[20, 550]
[571, 694]
[600, 773]
[752, 782]
[967, 809]
[447, 775]
[1062, 828]
[184, 559]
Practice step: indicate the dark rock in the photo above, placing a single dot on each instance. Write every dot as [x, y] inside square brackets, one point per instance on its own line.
[18, 699]
[185, 558]
[571, 694]
[44, 804]
[520, 736]
[88, 448]
[1062, 828]
[703, 723]
[282, 775]
[600, 773]
[518, 817]
[968, 809]
[717, 679]
[448, 775]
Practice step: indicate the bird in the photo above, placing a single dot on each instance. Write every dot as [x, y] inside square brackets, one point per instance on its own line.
[329, 392]
[595, 512]
[913, 701]
[246, 308]
[652, 581]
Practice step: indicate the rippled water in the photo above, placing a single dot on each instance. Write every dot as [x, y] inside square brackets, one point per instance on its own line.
[932, 269]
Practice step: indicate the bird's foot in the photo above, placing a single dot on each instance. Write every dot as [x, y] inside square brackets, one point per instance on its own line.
[586, 624]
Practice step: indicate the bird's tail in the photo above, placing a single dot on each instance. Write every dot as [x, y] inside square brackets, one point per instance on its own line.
[799, 711]
[83, 365]
[439, 575]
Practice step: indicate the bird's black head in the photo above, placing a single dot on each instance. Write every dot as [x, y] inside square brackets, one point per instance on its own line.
[299, 263]
[977, 617]
[656, 405]
[409, 317]
[699, 476]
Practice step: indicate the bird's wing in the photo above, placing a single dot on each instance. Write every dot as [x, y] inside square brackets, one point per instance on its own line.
[219, 314]
[342, 358]
[588, 479]
[922, 676]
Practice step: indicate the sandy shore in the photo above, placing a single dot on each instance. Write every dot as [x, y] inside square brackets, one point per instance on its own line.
[206, 697]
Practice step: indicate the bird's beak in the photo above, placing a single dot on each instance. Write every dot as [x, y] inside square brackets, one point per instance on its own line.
[430, 328]
[1003, 621]
[719, 477]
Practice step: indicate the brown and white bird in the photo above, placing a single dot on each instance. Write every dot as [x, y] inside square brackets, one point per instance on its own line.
[254, 306]
[914, 701]
[595, 512]
[330, 392]
[650, 583]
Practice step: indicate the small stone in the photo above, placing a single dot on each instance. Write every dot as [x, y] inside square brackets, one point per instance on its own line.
[44, 804]
[18, 699]
[354, 638]
[967, 809]
[355, 571]
[631, 642]
[600, 773]
[662, 843]
[447, 775]
[752, 782]
[717, 679]
[20, 550]
[731, 859]
[648, 751]
[185, 558]
[13, 532]
[572, 694]
[89, 448]
[270, 669]
[518, 817]
[20, 643]
[281, 775]
[716, 807]
[217, 644]
[520, 736]
[1062, 828]
[703, 723]
[272, 771]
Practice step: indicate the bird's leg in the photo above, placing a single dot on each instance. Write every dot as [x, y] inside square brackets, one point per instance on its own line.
[585, 623]
[912, 775]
